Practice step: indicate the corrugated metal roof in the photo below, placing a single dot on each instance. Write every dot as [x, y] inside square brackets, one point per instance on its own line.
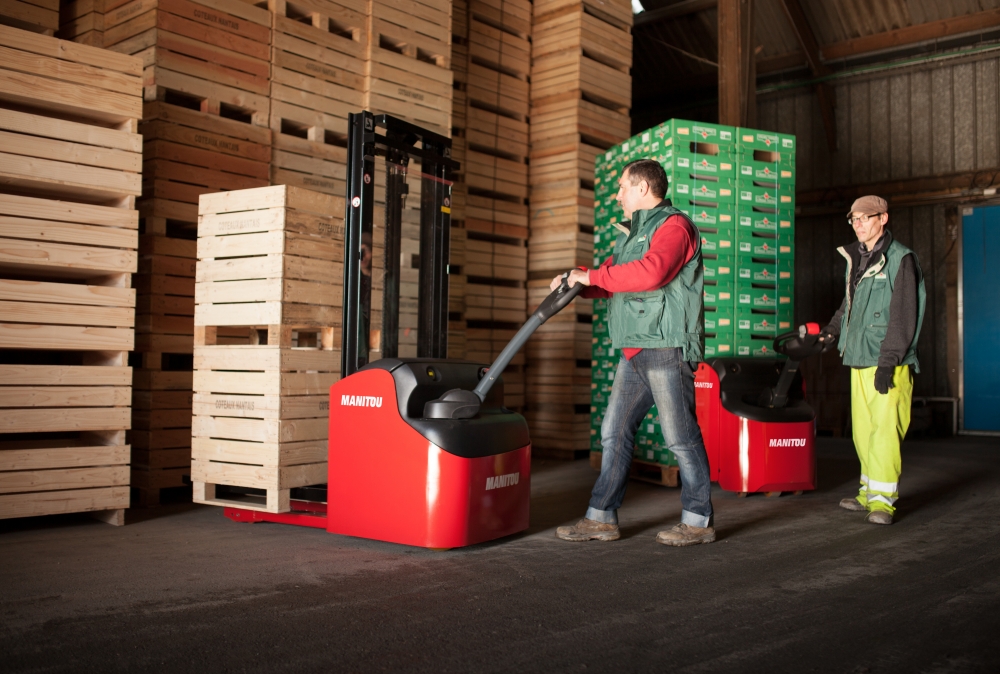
[832, 21]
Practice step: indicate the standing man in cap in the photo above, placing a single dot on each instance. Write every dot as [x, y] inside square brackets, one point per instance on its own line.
[878, 324]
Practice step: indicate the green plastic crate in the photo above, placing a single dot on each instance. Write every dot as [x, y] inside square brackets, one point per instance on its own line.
[756, 296]
[770, 220]
[781, 197]
[756, 139]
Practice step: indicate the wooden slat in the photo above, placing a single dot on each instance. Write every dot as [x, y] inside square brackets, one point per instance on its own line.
[60, 502]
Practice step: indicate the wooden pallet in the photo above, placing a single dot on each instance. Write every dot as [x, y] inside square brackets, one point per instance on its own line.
[499, 49]
[513, 16]
[562, 120]
[234, 26]
[552, 163]
[38, 16]
[550, 254]
[271, 256]
[86, 470]
[605, 42]
[492, 175]
[211, 133]
[615, 12]
[495, 303]
[260, 420]
[495, 216]
[408, 70]
[498, 134]
[498, 91]
[82, 21]
[55, 76]
[554, 74]
[488, 259]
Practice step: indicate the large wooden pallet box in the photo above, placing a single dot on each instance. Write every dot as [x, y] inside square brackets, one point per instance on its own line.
[270, 264]
[70, 169]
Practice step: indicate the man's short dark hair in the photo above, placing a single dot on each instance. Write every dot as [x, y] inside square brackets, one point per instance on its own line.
[650, 171]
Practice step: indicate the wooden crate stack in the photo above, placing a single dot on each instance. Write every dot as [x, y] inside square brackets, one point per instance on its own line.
[459, 192]
[580, 96]
[408, 75]
[317, 79]
[491, 140]
[70, 169]
[206, 77]
[37, 16]
[270, 273]
[83, 20]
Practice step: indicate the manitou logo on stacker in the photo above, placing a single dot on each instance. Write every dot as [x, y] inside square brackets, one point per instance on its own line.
[500, 481]
[787, 442]
[360, 401]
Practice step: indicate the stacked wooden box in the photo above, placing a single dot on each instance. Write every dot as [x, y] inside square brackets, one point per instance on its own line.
[459, 191]
[492, 145]
[270, 272]
[70, 169]
[408, 72]
[317, 79]
[408, 75]
[83, 20]
[37, 16]
[580, 96]
[205, 128]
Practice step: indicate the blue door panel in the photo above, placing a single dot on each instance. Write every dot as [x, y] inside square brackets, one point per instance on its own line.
[981, 314]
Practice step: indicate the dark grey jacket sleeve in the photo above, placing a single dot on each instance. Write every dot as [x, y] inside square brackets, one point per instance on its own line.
[902, 315]
[833, 327]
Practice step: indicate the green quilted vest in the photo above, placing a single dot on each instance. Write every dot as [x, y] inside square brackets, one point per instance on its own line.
[866, 318]
[670, 316]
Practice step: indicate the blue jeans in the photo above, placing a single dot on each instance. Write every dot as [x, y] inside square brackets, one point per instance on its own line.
[662, 377]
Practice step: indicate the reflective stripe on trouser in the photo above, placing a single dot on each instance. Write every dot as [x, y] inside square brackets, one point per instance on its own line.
[880, 423]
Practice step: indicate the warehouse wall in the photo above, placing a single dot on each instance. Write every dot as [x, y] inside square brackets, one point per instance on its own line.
[921, 121]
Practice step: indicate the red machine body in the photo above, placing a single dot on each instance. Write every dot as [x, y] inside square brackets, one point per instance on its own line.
[390, 483]
[398, 477]
[752, 449]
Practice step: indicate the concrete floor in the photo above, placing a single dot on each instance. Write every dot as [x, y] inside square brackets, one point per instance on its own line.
[793, 585]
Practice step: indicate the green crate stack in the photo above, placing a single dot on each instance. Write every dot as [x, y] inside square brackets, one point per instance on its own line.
[701, 162]
[765, 240]
[649, 444]
[738, 187]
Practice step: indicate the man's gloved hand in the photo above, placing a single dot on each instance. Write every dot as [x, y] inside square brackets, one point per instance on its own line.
[828, 337]
[883, 378]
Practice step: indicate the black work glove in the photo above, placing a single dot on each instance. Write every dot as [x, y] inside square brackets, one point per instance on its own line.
[883, 378]
[828, 338]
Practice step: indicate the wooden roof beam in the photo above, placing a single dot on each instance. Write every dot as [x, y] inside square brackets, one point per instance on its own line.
[810, 48]
[922, 32]
[737, 71]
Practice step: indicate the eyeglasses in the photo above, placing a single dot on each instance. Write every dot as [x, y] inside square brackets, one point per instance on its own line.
[861, 218]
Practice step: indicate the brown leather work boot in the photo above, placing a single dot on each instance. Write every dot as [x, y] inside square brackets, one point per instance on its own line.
[683, 535]
[589, 530]
[879, 517]
[851, 504]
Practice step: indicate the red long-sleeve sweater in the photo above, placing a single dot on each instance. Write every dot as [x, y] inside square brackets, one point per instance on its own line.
[671, 247]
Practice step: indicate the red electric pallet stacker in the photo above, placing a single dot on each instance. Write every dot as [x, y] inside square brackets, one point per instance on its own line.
[421, 450]
[758, 429]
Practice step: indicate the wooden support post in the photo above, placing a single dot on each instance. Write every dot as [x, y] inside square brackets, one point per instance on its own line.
[737, 76]
[807, 40]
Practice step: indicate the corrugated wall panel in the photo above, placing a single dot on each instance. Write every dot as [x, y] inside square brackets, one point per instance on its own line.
[986, 113]
[920, 119]
[964, 111]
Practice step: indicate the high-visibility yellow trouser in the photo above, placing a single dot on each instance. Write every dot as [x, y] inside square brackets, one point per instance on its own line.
[880, 423]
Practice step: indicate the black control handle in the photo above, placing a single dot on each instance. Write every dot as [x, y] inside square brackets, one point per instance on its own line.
[459, 404]
[557, 299]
